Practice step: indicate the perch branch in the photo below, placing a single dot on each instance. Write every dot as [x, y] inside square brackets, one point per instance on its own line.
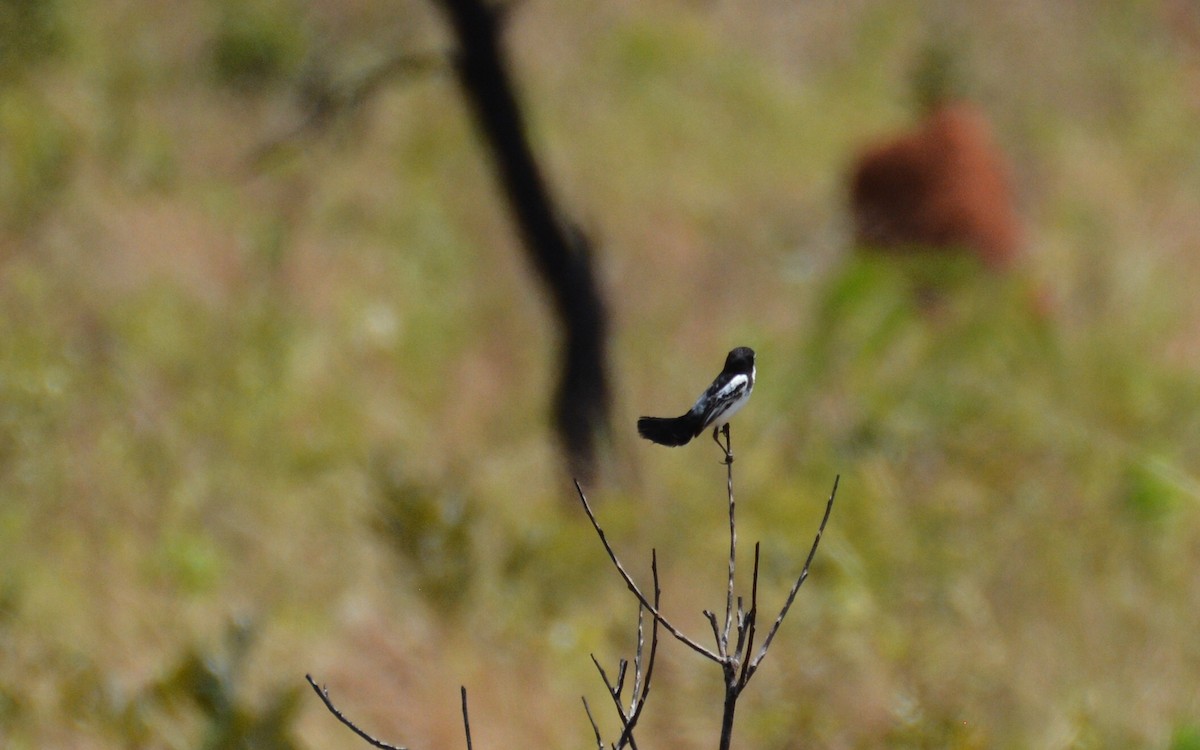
[724, 638]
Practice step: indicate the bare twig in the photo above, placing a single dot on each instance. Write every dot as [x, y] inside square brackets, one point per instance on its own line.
[751, 621]
[638, 700]
[614, 690]
[324, 695]
[796, 586]
[588, 710]
[737, 666]
[724, 638]
[739, 647]
[716, 629]
[633, 587]
[642, 678]
[643, 672]
[466, 719]
[637, 654]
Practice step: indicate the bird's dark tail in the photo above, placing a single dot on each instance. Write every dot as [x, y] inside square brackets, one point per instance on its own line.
[671, 431]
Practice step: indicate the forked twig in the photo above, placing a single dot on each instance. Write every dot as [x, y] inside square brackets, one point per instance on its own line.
[739, 665]
[643, 672]
[641, 684]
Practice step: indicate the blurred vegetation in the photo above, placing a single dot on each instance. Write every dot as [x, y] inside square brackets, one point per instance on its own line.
[257, 43]
[31, 31]
[430, 530]
[313, 396]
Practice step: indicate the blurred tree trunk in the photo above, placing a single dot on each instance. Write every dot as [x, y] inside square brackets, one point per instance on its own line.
[559, 251]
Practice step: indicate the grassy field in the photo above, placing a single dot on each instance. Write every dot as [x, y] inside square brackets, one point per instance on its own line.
[266, 417]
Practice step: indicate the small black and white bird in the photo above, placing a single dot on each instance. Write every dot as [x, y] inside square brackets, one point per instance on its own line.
[715, 407]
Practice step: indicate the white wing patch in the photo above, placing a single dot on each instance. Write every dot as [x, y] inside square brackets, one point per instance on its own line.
[719, 407]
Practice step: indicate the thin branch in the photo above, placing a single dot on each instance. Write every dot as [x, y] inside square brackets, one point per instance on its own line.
[622, 669]
[588, 710]
[637, 657]
[651, 608]
[641, 680]
[739, 666]
[466, 719]
[751, 620]
[796, 587]
[716, 629]
[613, 691]
[324, 695]
[724, 638]
[639, 697]
[739, 648]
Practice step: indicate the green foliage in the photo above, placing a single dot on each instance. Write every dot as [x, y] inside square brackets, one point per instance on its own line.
[1155, 488]
[212, 685]
[936, 77]
[201, 701]
[36, 152]
[31, 31]
[257, 43]
[1186, 737]
[429, 526]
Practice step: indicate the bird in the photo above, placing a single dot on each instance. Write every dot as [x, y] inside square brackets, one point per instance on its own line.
[715, 407]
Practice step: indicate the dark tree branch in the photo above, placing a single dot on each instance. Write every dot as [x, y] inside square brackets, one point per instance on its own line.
[324, 695]
[558, 250]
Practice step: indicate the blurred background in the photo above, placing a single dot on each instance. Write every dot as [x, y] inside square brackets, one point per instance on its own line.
[274, 398]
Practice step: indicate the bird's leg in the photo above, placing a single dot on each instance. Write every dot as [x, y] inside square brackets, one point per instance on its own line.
[727, 447]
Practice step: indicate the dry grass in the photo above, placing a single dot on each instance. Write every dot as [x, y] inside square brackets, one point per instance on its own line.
[211, 377]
